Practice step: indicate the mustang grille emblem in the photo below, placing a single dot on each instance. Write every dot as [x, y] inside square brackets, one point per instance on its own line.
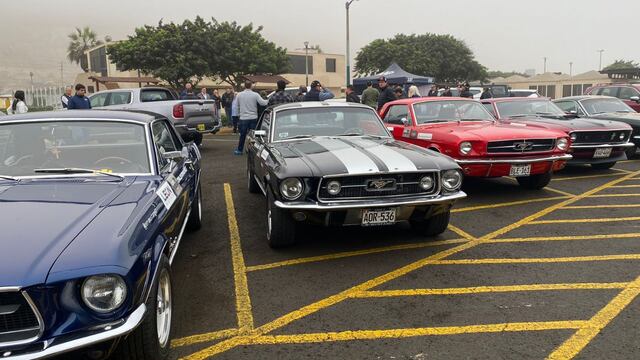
[523, 146]
[385, 184]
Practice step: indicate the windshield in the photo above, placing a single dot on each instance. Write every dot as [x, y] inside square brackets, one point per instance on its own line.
[454, 110]
[112, 147]
[535, 107]
[605, 105]
[327, 121]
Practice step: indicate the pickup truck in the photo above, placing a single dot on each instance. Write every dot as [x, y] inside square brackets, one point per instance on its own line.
[190, 117]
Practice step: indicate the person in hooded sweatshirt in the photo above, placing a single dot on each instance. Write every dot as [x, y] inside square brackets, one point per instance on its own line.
[79, 101]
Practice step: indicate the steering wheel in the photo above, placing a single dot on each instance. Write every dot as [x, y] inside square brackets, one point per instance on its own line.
[113, 158]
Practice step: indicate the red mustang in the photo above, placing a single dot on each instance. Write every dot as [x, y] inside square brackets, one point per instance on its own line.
[464, 130]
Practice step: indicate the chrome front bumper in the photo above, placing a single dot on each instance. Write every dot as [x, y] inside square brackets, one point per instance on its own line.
[361, 204]
[629, 144]
[129, 325]
[564, 157]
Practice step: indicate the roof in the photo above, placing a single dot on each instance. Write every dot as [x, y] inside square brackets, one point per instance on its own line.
[124, 79]
[590, 75]
[428, 99]
[394, 74]
[513, 99]
[318, 104]
[584, 97]
[270, 79]
[549, 76]
[83, 115]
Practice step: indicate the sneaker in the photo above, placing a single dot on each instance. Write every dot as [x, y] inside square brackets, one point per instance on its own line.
[237, 152]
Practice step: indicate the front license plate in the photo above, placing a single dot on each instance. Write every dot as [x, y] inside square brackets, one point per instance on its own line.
[378, 217]
[201, 127]
[602, 153]
[520, 170]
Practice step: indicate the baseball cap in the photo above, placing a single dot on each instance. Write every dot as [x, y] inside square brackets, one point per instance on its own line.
[315, 83]
[382, 78]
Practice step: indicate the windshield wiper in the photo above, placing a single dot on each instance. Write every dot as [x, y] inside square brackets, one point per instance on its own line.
[299, 137]
[522, 115]
[472, 119]
[7, 177]
[623, 111]
[76, 171]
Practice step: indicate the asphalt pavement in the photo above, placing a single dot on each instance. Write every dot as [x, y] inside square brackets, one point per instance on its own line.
[520, 274]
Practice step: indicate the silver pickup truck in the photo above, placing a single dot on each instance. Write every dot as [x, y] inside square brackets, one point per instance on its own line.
[188, 116]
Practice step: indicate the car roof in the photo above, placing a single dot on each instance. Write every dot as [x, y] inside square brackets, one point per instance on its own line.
[635, 85]
[584, 97]
[514, 99]
[428, 99]
[84, 115]
[317, 104]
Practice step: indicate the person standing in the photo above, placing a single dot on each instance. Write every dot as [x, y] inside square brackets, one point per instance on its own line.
[386, 93]
[486, 94]
[227, 103]
[216, 97]
[187, 93]
[465, 92]
[64, 99]
[204, 95]
[234, 114]
[414, 92]
[280, 96]
[248, 102]
[18, 105]
[370, 95]
[79, 101]
[318, 93]
[447, 92]
[398, 93]
[301, 93]
[351, 95]
[433, 92]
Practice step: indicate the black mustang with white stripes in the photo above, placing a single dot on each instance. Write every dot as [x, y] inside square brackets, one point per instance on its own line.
[335, 164]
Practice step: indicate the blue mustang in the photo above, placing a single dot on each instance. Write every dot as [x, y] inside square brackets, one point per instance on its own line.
[93, 205]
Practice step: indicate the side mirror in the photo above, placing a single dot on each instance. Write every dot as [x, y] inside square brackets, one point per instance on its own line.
[173, 155]
[405, 122]
[635, 98]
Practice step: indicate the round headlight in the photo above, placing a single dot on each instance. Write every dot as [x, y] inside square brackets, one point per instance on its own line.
[334, 187]
[574, 137]
[291, 188]
[465, 147]
[104, 293]
[562, 144]
[451, 180]
[426, 183]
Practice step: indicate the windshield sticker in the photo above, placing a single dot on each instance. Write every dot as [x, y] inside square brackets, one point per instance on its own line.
[264, 154]
[283, 135]
[425, 136]
[166, 194]
[406, 132]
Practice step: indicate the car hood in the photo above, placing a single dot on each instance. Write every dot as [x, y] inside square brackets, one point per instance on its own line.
[578, 124]
[40, 219]
[357, 155]
[498, 131]
[632, 119]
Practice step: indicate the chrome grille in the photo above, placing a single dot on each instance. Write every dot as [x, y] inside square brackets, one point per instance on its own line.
[521, 146]
[18, 321]
[397, 185]
[600, 137]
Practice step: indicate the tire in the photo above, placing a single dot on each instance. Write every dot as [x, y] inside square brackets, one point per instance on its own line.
[631, 152]
[252, 184]
[603, 166]
[535, 182]
[432, 226]
[195, 217]
[281, 228]
[146, 342]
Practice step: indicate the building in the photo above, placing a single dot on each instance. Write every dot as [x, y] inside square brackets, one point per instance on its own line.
[555, 85]
[329, 69]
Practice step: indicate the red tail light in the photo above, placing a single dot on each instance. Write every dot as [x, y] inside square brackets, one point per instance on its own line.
[178, 111]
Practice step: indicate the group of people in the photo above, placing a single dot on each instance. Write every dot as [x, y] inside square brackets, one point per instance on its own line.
[68, 100]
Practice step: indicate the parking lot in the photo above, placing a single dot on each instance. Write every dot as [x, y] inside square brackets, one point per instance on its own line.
[519, 274]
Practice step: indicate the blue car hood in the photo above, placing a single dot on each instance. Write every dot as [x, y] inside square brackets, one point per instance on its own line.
[39, 219]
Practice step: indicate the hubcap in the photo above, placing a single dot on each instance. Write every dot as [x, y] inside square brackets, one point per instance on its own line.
[163, 308]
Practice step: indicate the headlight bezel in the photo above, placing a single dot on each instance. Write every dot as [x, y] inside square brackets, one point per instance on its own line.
[284, 188]
[334, 192]
[118, 282]
[465, 147]
[431, 183]
[458, 184]
[562, 144]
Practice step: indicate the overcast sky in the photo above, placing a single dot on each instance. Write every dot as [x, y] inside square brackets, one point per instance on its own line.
[504, 34]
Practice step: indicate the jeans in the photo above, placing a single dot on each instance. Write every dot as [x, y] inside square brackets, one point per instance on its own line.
[227, 111]
[245, 126]
[235, 119]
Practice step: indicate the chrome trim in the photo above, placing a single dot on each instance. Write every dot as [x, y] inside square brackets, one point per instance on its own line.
[33, 307]
[513, 161]
[439, 199]
[129, 325]
[184, 225]
[628, 144]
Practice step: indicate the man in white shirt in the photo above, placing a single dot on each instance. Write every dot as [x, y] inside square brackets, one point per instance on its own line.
[66, 96]
[247, 107]
[204, 95]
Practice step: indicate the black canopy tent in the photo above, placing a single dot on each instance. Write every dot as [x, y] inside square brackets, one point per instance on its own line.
[395, 75]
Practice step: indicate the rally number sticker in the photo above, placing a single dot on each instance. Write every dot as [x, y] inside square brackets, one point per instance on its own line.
[166, 194]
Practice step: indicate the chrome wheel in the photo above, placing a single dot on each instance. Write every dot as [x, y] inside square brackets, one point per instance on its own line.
[163, 308]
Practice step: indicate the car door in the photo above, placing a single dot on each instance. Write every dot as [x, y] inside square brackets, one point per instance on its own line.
[257, 150]
[395, 119]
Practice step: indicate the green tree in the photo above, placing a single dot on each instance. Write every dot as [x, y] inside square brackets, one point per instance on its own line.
[496, 73]
[622, 64]
[81, 40]
[441, 56]
[233, 51]
[172, 52]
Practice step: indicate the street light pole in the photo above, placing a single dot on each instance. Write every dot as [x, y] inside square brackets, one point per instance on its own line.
[570, 68]
[600, 51]
[347, 5]
[545, 65]
[306, 62]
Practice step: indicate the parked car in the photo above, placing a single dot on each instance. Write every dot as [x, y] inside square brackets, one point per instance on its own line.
[604, 108]
[629, 93]
[599, 143]
[476, 91]
[190, 117]
[94, 204]
[527, 93]
[335, 164]
[466, 131]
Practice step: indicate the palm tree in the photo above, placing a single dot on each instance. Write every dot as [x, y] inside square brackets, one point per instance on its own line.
[81, 41]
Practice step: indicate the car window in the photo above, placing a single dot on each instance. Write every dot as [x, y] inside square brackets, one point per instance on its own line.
[453, 110]
[596, 106]
[148, 95]
[627, 92]
[98, 100]
[489, 108]
[528, 107]
[119, 98]
[609, 91]
[396, 113]
[567, 106]
[163, 140]
[265, 122]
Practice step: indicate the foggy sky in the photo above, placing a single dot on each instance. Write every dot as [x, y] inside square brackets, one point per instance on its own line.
[504, 34]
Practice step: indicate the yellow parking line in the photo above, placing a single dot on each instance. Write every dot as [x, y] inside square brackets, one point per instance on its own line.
[622, 170]
[565, 238]
[600, 206]
[569, 221]
[200, 338]
[243, 301]
[626, 186]
[353, 253]
[488, 289]
[627, 161]
[462, 233]
[415, 332]
[512, 203]
[538, 260]
[613, 195]
[583, 177]
[559, 191]
[574, 345]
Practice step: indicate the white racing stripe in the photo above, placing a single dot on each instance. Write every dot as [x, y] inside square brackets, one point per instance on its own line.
[393, 160]
[353, 159]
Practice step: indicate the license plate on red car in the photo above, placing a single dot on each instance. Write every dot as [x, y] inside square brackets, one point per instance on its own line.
[520, 170]
[602, 153]
[378, 217]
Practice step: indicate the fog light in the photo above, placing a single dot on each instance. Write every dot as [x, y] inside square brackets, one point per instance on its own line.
[426, 182]
[334, 188]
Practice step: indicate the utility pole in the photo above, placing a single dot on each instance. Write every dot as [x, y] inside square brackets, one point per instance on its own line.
[600, 51]
[347, 5]
[306, 62]
[545, 65]
[62, 74]
[571, 68]
[31, 76]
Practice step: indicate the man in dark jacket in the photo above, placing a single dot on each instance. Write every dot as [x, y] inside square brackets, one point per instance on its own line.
[318, 93]
[351, 95]
[465, 93]
[486, 94]
[280, 96]
[386, 93]
[79, 101]
[227, 102]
